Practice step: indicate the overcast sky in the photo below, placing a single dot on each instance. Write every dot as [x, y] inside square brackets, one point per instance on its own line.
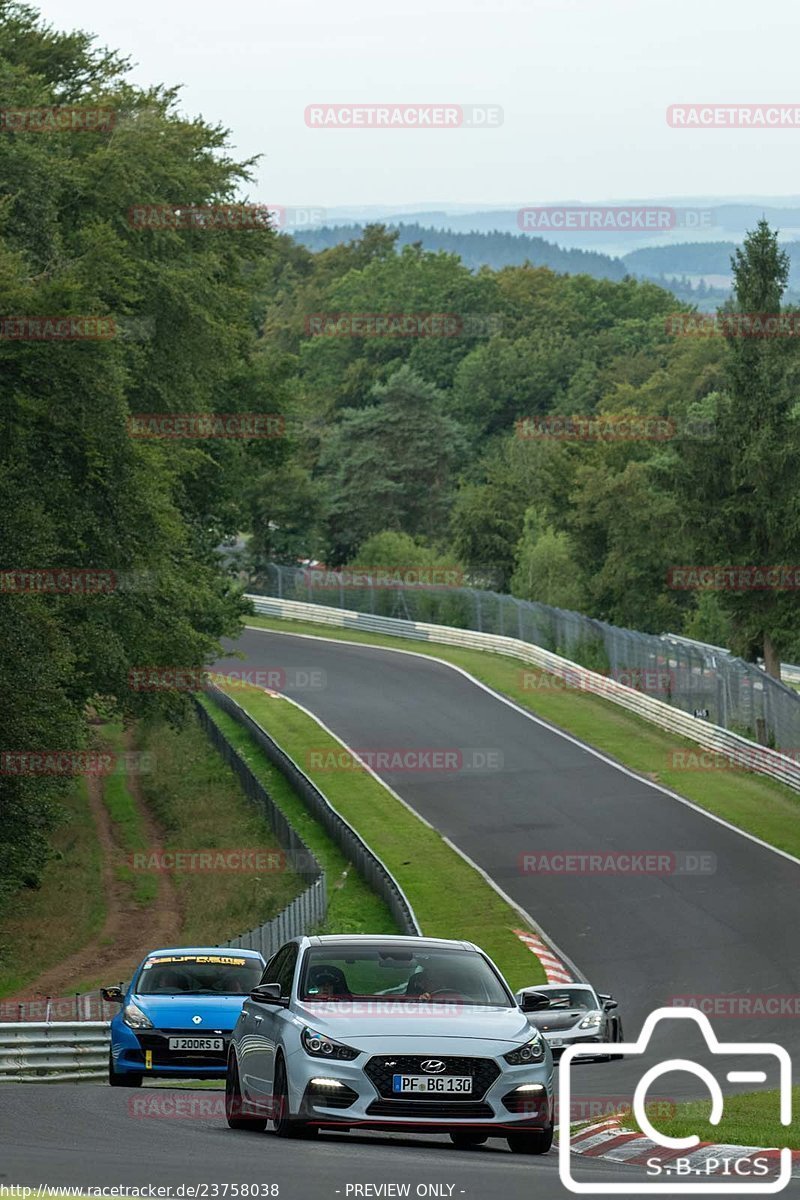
[583, 84]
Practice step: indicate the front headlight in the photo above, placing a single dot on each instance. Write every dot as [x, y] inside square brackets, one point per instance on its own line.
[320, 1046]
[134, 1018]
[591, 1021]
[531, 1052]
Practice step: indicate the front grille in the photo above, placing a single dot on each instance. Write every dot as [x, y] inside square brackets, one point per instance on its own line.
[429, 1108]
[157, 1040]
[380, 1069]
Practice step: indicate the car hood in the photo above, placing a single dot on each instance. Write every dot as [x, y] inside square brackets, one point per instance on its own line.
[355, 1022]
[550, 1021]
[178, 1012]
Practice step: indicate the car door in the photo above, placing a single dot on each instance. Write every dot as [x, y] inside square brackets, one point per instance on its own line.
[274, 1015]
[254, 1051]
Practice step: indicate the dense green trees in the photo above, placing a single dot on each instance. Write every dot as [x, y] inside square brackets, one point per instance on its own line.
[77, 491]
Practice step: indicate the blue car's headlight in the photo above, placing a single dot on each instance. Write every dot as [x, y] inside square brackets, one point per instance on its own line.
[134, 1018]
[320, 1046]
[531, 1052]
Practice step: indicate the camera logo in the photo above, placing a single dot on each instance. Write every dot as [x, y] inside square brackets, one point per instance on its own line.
[630, 1049]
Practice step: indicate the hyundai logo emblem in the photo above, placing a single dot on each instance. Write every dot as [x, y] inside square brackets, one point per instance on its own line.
[434, 1066]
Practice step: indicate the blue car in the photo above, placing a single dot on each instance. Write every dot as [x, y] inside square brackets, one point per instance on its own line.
[177, 1015]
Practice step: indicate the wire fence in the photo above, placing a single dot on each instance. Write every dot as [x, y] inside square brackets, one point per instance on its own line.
[703, 680]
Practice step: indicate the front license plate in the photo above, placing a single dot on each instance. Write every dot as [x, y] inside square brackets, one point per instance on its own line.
[196, 1043]
[556, 1043]
[432, 1083]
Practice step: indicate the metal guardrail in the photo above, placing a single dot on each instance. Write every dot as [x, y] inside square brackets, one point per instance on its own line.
[790, 674]
[737, 750]
[310, 908]
[56, 1052]
[80, 1007]
[684, 674]
[367, 863]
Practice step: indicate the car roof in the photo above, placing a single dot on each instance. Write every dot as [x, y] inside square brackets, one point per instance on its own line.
[371, 939]
[204, 950]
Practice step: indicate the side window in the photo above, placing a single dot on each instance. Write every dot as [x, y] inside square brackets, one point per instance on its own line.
[273, 969]
[285, 973]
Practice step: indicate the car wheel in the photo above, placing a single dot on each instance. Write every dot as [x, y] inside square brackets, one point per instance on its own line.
[284, 1124]
[533, 1141]
[122, 1078]
[464, 1139]
[234, 1104]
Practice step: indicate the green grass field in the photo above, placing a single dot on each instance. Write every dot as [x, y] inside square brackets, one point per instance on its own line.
[752, 802]
[749, 1119]
[450, 898]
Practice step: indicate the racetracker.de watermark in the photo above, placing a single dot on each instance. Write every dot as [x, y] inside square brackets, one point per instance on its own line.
[242, 860]
[58, 581]
[203, 217]
[734, 579]
[176, 426]
[403, 116]
[733, 325]
[742, 758]
[57, 329]
[61, 763]
[403, 325]
[411, 759]
[57, 119]
[384, 577]
[751, 1004]
[734, 116]
[618, 862]
[655, 680]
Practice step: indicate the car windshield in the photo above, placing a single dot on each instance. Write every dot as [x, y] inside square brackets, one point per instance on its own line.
[573, 998]
[385, 972]
[198, 974]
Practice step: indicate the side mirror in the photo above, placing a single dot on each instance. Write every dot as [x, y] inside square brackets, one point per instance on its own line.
[533, 1001]
[267, 993]
[608, 1003]
[112, 995]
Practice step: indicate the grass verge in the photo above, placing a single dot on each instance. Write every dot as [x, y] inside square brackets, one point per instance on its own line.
[752, 802]
[450, 898]
[43, 926]
[749, 1119]
[127, 821]
[199, 805]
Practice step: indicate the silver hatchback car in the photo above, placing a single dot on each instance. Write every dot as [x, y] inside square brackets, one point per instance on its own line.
[399, 1033]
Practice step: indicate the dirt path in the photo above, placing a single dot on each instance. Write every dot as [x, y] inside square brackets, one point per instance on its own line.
[129, 930]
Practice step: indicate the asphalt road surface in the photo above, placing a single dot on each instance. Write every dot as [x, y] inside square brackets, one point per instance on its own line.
[730, 928]
[85, 1135]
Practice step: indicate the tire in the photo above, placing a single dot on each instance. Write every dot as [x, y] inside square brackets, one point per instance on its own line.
[283, 1123]
[122, 1078]
[536, 1141]
[465, 1139]
[234, 1103]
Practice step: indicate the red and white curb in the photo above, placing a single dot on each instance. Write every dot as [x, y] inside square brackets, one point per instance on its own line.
[610, 1141]
[555, 970]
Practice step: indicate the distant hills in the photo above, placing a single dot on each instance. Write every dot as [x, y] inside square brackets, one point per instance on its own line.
[695, 272]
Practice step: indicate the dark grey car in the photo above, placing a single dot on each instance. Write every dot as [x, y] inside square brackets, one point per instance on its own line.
[573, 1013]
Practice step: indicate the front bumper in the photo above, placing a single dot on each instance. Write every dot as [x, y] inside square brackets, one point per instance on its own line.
[561, 1040]
[146, 1051]
[363, 1096]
